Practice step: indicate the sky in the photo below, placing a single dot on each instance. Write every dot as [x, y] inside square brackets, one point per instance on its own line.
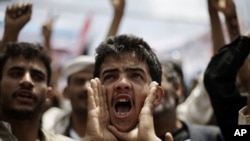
[176, 29]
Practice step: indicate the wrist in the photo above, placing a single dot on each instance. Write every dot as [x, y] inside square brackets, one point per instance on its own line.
[9, 36]
[11, 30]
[118, 11]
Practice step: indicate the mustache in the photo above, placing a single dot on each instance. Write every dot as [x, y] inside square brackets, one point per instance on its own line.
[24, 92]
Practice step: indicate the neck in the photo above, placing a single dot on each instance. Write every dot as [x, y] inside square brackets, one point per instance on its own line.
[25, 130]
[79, 121]
[167, 122]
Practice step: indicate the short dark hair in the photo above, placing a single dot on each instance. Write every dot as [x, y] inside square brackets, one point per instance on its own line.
[173, 73]
[27, 50]
[116, 45]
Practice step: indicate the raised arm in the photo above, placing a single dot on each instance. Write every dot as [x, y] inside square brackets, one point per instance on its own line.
[16, 16]
[229, 10]
[118, 7]
[227, 7]
[47, 28]
[216, 27]
[231, 19]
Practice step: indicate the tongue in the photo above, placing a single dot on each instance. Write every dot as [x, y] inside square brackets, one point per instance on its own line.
[122, 109]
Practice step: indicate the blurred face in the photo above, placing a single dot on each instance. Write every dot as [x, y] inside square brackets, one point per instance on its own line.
[76, 90]
[23, 88]
[169, 99]
[127, 83]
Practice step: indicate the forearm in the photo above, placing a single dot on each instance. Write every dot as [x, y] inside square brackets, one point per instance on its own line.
[8, 36]
[216, 28]
[115, 23]
[47, 44]
[232, 25]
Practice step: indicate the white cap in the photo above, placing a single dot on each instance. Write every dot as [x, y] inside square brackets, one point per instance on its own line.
[77, 64]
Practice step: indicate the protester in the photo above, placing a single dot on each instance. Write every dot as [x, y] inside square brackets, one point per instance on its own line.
[125, 91]
[25, 88]
[165, 115]
[78, 73]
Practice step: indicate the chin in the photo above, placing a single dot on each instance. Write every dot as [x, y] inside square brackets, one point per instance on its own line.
[124, 126]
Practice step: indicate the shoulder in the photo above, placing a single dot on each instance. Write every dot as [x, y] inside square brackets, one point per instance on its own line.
[52, 116]
[204, 128]
[206, 132]
[5, 132]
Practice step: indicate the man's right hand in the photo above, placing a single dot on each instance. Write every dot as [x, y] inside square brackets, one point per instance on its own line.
[98, 115]
[17, 15]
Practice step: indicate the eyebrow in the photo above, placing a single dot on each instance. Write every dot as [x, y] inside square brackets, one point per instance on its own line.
[21, 69]
[15, 68]
[134, 69]
[108, 71]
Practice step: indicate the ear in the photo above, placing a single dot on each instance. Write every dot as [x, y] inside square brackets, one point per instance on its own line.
[49, 93]
[49, 96]
[179, 90]
[158, 95]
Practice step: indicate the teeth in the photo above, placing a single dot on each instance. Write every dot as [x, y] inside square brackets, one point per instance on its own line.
[120, 113]
[123, 100]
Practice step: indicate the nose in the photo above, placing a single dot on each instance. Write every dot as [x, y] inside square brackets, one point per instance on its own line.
[26, 81]
[123, 84]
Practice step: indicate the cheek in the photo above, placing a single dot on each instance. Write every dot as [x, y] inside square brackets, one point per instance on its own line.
[6, 83]
[74, 91]
[140, 97]
[43, 93]
[8, 87]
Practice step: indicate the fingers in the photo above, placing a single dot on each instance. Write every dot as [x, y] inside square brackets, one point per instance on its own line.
[168, 137]
[118, 4]
[104, 99]
[222, 3]
[91, 98]
[146, 124]
[16, 10]
[100, 96]
[149, 101]
[95, 91]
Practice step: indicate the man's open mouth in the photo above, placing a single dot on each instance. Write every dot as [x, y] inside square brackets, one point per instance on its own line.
[122, 105]
[24, 96]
